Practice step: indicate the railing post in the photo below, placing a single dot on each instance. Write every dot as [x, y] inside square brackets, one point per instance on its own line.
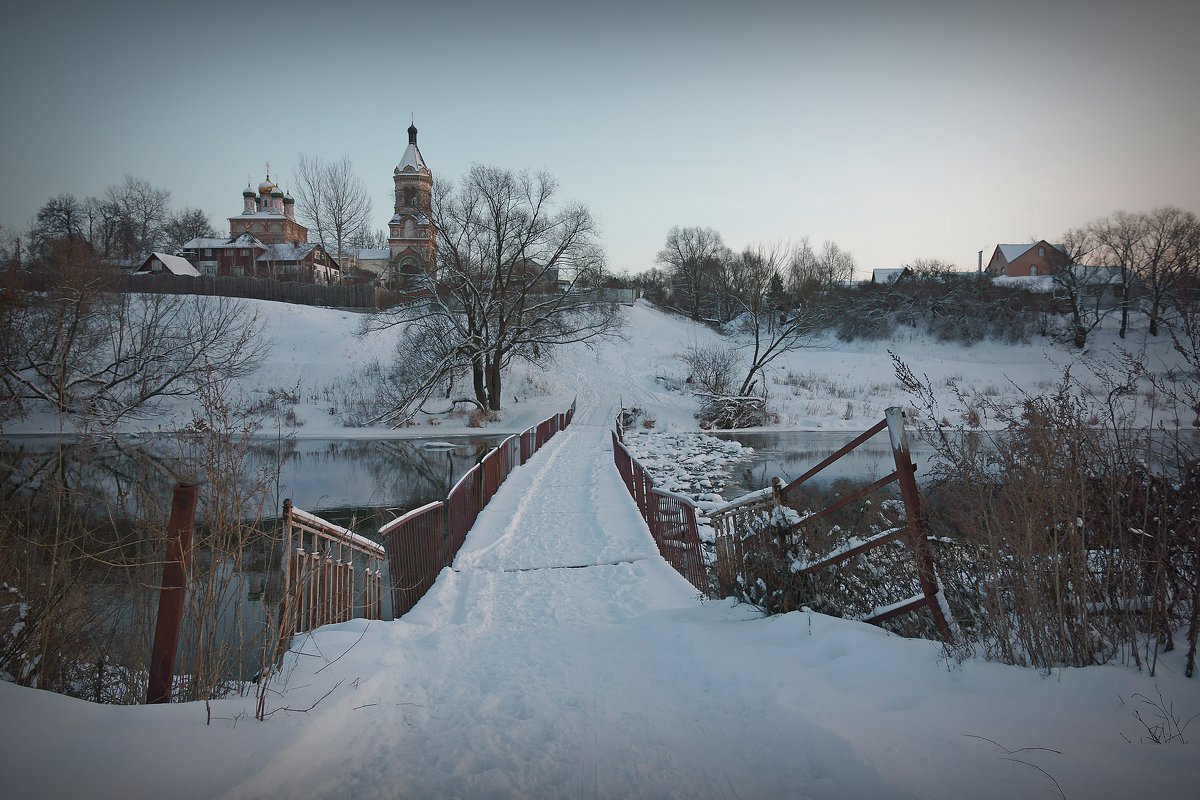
[918, 538]
[172, 593]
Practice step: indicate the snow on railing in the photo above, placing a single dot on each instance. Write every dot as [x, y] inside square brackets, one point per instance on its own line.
[321, 584]
[671, 517]
[424, 541]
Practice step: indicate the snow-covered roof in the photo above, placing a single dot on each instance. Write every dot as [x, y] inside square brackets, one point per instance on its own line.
[173, 264]
[887, 275]
[286, 251]
[412, 161]
[259, 215]
[1015, 251]
[196, 244]
[374, 253]
[1039, 284]
[418, 218]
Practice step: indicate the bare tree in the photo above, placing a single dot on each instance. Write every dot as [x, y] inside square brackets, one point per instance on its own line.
[1166, 259]
[1118, 239]
[835, 265]
[142, 212]
[513, 279]
[88, 352]
[691, 255]
[103, 227]
[771, 330]
[59, 219]
[332, 200]
[187, 224]
[1081, 288]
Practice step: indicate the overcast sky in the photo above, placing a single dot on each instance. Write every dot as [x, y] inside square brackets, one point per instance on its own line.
[898, 130]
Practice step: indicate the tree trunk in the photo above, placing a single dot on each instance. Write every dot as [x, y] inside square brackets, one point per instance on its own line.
[493, 386]
[478, 381]
[1153, 330]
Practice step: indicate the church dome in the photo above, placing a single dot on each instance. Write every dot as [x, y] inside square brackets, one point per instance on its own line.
[267, 186]
[247, 192]
[276, 192]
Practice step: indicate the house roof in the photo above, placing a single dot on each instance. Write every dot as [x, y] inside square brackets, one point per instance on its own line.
[374, 253]
[173, 264]
[1012, 252]
[887, 275]
[290, 252]
[196, 244]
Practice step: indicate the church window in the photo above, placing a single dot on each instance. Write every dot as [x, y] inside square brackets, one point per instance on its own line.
[1033, 270]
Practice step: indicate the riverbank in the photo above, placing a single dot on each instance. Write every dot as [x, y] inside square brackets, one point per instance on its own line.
[314, 368]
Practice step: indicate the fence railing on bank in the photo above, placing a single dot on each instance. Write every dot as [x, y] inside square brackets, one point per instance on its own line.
[671, 517]
[749, 526]
[420, 543]
[321, 582]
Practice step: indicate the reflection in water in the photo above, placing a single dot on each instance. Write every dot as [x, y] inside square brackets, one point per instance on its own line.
[789, 454]
[348, 481]
[121, 488]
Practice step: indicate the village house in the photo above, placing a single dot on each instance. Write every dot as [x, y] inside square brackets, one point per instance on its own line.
[164, 264]
[1027, 260]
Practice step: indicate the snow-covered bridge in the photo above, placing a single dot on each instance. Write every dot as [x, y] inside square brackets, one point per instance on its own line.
[562, 657]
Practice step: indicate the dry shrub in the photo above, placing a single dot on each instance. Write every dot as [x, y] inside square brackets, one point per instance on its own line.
[479, 418]
[82, 543]
[1070, 534]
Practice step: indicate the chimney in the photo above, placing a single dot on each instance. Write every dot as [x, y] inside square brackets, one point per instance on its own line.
[980, 270]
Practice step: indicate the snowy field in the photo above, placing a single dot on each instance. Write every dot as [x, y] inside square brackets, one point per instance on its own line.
[830, 385]
[561, 657]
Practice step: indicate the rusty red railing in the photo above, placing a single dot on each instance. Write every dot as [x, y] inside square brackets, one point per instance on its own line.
[741, 530]
[420, 543]
[670, 517]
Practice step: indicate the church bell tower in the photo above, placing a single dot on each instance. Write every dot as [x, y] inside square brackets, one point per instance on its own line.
[412, 236]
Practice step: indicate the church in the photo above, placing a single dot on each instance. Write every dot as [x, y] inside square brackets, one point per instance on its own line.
[412, 235]
[267, 241]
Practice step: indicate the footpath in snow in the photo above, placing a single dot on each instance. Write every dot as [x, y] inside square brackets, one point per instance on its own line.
[562, 658]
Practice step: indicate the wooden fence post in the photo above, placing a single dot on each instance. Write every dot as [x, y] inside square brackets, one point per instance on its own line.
[918, 539]
[172, 593]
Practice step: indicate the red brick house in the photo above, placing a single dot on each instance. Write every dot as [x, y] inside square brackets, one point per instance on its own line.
[1026, 260]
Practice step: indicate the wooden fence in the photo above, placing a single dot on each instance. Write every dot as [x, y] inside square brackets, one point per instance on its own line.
[360, 295]
[309, 294]
[420, 543]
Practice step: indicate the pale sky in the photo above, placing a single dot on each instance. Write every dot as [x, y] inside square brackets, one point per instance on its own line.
[898, 130]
